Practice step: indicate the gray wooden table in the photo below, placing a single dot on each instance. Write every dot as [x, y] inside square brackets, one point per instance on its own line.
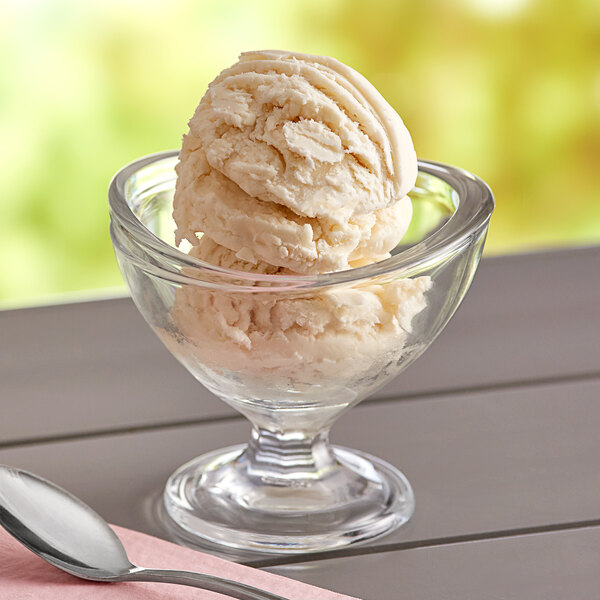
[497, 427]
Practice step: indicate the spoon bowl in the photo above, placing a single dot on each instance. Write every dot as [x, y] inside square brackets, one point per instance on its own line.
[59, 527]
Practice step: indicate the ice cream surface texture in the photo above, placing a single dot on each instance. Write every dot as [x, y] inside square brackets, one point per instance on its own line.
[305, 337]
[297, 161]
[295, 164]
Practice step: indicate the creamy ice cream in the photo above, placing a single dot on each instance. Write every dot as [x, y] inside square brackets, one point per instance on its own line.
[295, 164]
[297, 161]
[304, 336]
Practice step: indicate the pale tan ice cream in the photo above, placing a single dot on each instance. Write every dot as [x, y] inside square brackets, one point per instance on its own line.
[304, 337]
[297, 161]
[295, 164]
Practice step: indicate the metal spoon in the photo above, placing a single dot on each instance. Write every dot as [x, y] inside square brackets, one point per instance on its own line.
[69, 535]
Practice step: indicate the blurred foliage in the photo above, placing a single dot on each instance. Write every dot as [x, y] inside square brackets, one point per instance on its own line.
[509, 89]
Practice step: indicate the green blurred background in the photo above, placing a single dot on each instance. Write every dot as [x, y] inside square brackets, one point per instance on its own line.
[509, 89]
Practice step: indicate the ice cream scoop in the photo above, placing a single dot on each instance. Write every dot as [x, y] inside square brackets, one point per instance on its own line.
[295, 164]
[297, 161]
[303, 337]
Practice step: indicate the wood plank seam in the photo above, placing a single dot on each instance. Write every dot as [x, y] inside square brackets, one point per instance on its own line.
[426, 543]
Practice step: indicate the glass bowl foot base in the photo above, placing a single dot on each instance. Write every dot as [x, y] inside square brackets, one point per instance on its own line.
[224, 499]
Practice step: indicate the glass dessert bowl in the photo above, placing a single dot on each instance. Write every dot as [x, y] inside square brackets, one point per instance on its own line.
[291, 353]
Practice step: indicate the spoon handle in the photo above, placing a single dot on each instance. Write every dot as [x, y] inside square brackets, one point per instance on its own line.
[212, 583]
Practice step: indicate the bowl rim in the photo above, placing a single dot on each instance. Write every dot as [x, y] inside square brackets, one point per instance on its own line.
[474, 207]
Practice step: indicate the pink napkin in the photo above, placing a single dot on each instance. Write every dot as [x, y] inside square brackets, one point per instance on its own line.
[24, 576]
